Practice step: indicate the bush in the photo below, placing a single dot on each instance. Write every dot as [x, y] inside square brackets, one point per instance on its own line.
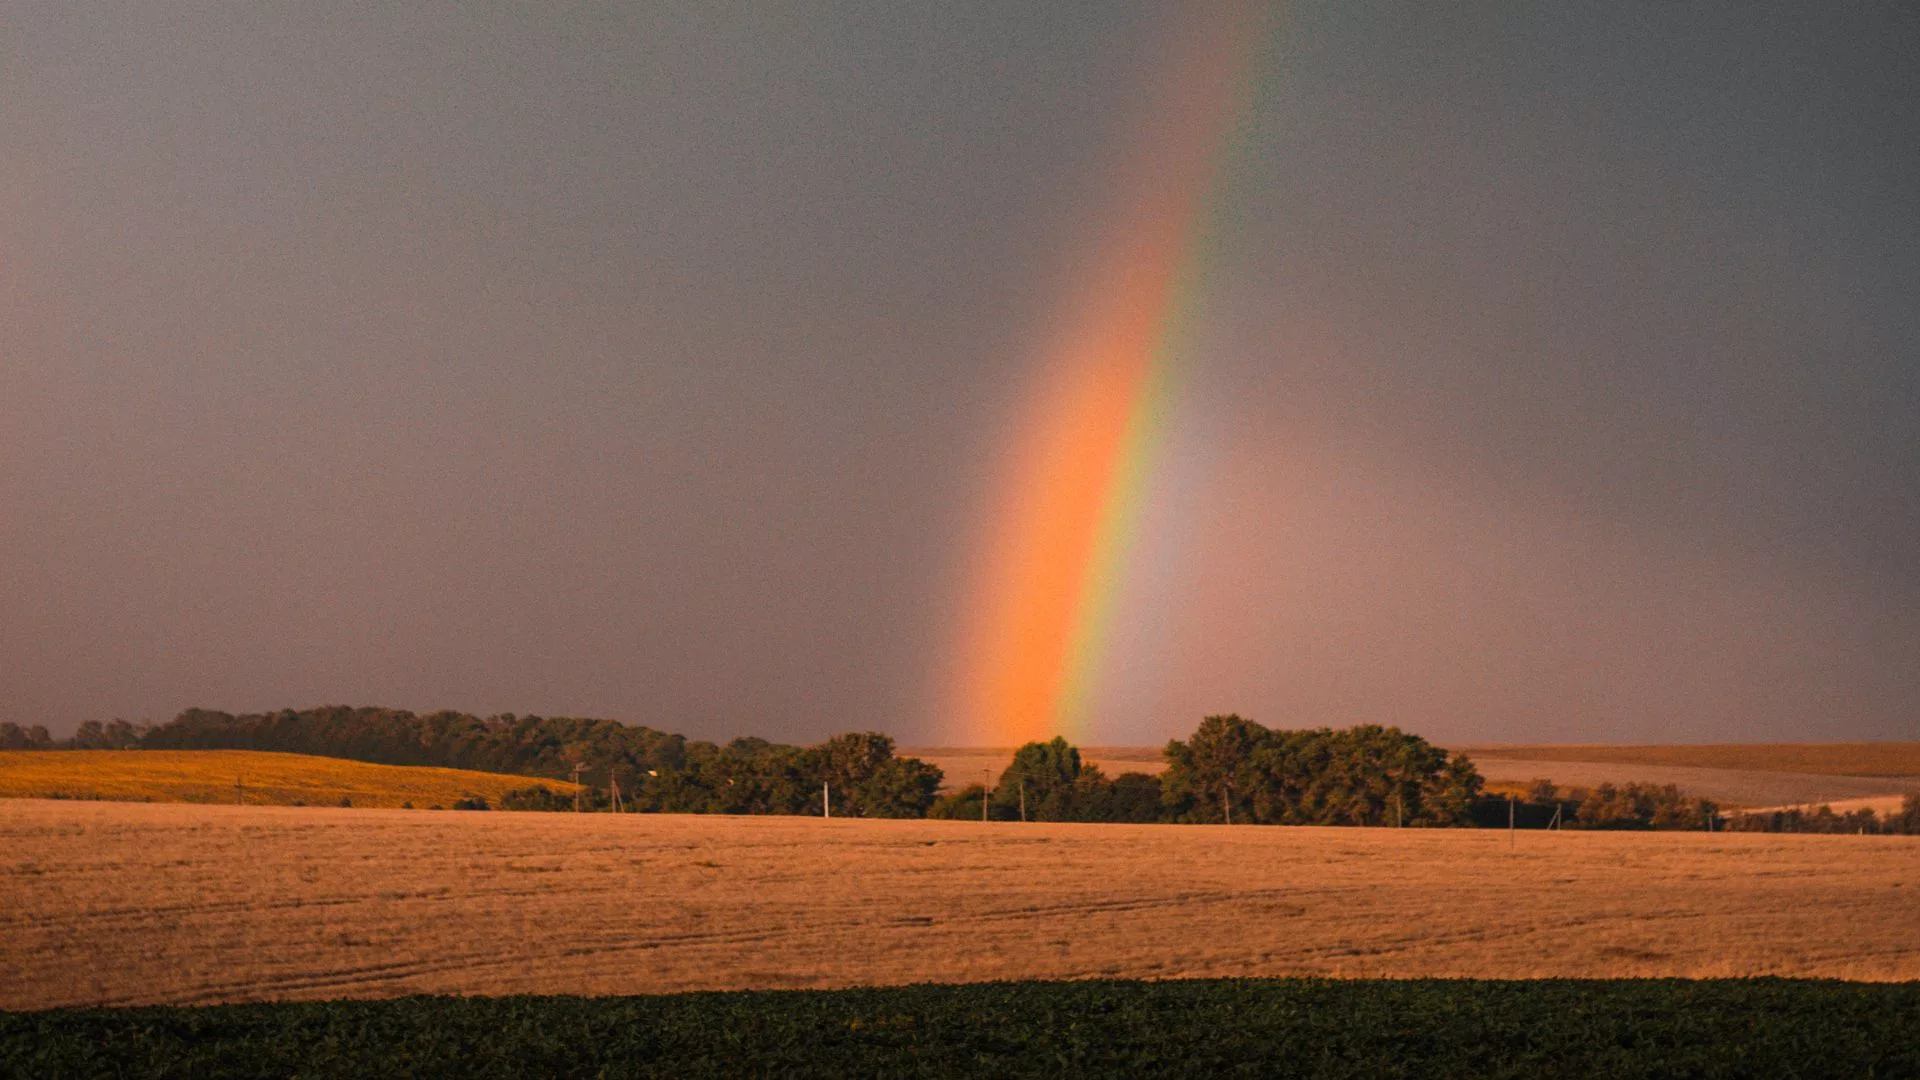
[537, 797]
[962, 805]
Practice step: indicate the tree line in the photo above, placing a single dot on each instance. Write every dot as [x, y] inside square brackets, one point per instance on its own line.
[1235, 771]
[655, 770]
[1823, 819]
[1648, 806]
[1608, 806]
[1229, 771]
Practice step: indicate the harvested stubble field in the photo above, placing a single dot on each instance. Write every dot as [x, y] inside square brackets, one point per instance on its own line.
[104, 903]
[262, 778]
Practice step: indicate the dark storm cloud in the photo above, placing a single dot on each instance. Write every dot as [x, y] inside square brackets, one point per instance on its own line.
[648, 361]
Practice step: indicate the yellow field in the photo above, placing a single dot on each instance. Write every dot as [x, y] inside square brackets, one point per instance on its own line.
[265, 779]
[123, 903]
[1829, 759]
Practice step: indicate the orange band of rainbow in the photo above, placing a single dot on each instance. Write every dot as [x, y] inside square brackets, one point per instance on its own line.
[1074, 483]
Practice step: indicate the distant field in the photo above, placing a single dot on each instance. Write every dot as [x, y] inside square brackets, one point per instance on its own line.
[1895, 759]
[126, 903]
[264, 779]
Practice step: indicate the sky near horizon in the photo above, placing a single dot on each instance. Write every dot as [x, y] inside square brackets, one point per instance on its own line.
[1503, 372]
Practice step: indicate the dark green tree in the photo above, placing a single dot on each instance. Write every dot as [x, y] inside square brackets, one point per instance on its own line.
[962, 805]
[1042, 778]
[1210, 775]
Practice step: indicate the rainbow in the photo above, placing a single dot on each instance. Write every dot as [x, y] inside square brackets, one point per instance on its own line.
[1075, 482]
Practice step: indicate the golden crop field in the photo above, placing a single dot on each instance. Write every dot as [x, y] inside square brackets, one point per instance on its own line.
[120, 903]
[1830, 759]
[269, 779]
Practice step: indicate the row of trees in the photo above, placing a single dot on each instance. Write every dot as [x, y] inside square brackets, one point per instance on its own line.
[656, 770]
[858, 771]
[1611, 806]
[1049, 782]
[1902, 822]
[526, 745]
[1234, 770]
[1231, 770]
[93, 735]
[15, 737]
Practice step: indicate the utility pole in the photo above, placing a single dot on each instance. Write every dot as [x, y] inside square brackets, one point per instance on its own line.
[239, 796]
[826, 799]
[613, 784]
[986, 797]
[576, 787]
[1226, 806]
[1511, 841]
[1023, 800]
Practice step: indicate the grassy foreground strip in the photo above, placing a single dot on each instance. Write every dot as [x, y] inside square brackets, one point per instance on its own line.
[1305, 1028]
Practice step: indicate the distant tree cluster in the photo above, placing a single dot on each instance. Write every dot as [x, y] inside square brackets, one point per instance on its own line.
[526, 745]
[537, 797]
[93, 735]
[1823, 819]
[1047, 781]
[655, 770]
[1607, 806]
[1649, 806]
[1641, 806]
[858, 771]
[15, 737]
[1234, 770]
[1230, 770]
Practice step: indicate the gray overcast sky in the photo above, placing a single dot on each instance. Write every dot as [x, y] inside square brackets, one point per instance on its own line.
[1560, 377]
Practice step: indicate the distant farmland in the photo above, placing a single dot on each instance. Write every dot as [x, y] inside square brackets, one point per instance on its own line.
[1881, 759]
[116, 903]
[257, 778]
